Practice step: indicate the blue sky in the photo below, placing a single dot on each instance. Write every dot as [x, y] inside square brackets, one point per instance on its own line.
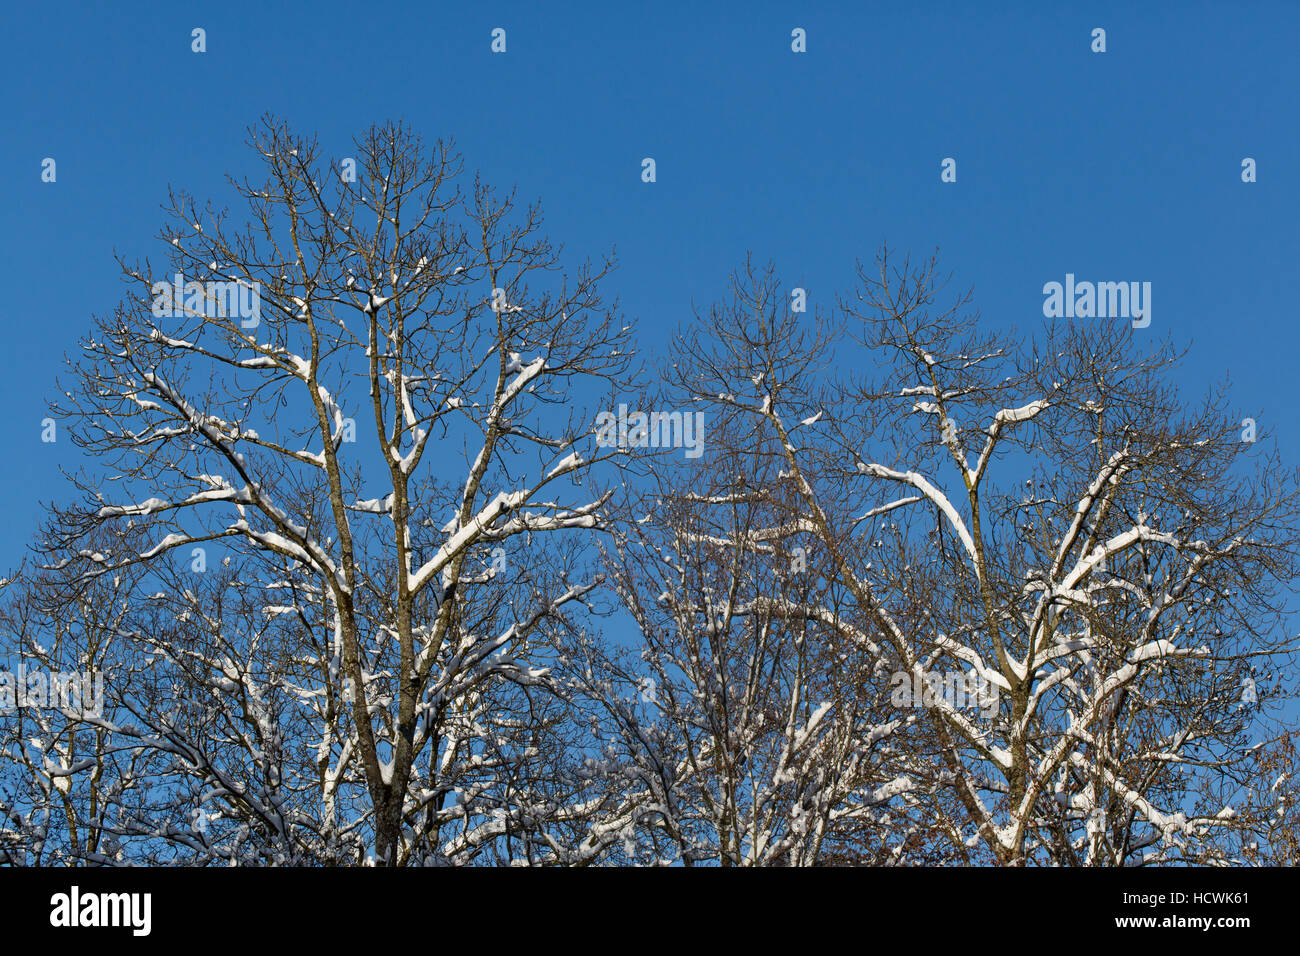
[1117, 166]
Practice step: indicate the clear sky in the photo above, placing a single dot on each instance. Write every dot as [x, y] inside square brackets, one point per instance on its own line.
[1123, 165]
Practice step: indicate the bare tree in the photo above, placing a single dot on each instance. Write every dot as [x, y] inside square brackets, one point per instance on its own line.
[1114, 588]
[60, 783]
[384, 444]
[366, 583]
